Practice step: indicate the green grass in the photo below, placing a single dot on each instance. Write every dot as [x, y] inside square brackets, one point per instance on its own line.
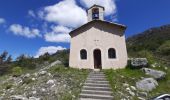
[164, 85]
[130, 76]
[118, 77]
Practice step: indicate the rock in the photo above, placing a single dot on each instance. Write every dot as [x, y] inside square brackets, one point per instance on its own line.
[49, 74]
[34, 92]
[34, 98]
[140, 98]
[27, 75]
[43, 90]
[147, 84]
[42, 72]
[33, 79]
[133, 88]
[131, 93]
[126, 85]
[154, 73]
[128, 89]
[139, 62]
[19, 97]
[142, 94]
[50, 82]
[35, 74]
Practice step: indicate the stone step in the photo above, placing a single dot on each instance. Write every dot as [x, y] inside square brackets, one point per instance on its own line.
[93, 96]
[96, 84]
[101, 76]
[102, 82]
[97, 88]
[96, 79]
[97, 74]
[96, 92]
[90, 99]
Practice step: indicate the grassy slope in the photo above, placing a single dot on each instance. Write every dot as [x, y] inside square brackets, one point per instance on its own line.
[118, 77]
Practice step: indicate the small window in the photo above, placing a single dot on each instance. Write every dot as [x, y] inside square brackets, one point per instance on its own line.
[83, 54]
[95, 13]
[112, 53]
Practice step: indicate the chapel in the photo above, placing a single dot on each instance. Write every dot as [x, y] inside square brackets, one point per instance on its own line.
[98, 44]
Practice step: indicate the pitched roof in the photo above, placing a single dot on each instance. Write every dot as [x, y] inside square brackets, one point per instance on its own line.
[96, 6]
[100, 21]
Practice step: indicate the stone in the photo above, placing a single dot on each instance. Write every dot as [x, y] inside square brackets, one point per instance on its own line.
[34, 98]
[140, 98]
[33, 79]
[27, 75]
[154, 73]
[42, 72]
[125, 85]
[50, 82]
[128, 89]
[147, 84]
[34, 92]
[139, 62]
[131, 93]
[19, 97]
[142, 94]
[49, 74]
[133, 88]
[43, 90]
[35, 74]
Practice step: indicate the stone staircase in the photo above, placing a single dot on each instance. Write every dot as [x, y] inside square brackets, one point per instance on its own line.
[96, 87]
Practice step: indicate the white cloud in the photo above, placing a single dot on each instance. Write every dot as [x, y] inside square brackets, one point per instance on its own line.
[2, 21]
[19, 30]
[58, 34]
[49, 49]
[65, 13]
[31, 13]
[110, 5]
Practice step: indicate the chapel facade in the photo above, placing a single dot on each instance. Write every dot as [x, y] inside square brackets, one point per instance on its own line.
[98, 44]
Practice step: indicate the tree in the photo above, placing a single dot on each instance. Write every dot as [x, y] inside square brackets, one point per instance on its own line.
[3, 57]
[9, 59]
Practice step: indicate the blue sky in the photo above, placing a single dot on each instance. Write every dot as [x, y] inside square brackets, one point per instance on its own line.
[36, 26]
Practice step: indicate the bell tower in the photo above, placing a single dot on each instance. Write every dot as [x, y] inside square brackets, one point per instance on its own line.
[95, 12]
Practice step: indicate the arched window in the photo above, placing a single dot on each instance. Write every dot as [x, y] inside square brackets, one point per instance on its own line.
[112, 53]
[95, 13]
[83, 54]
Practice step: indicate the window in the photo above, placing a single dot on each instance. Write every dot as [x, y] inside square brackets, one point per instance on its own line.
[95, 13]
[112, 53]
[83, 54]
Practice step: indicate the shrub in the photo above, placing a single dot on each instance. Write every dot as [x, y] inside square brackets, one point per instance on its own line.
[17, 71]
[164, 49]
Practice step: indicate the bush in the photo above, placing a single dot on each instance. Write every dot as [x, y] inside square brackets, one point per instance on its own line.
[17, 71]
[164, 49]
